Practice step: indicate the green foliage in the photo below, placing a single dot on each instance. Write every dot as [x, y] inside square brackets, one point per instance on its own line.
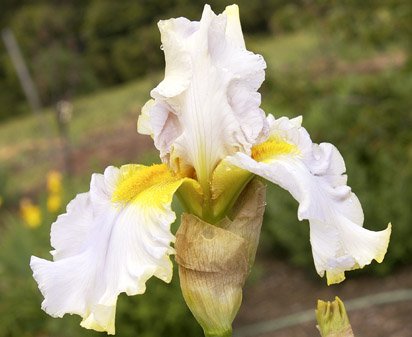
[7, 195]
[74, 47]
[161, 311]
[49, 38]
[113, 43]
[372, 22]
[11, 95]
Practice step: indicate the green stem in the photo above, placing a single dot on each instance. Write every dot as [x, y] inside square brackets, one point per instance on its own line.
[227, 333]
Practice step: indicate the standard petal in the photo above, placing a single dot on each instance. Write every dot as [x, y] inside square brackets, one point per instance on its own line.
[207, 107]
[111, 240]
[315, 176]
[164, 128]
[233, 26]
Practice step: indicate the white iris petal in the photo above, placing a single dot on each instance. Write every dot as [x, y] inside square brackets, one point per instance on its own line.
[207, 107]
[314, 175]
[103, 248]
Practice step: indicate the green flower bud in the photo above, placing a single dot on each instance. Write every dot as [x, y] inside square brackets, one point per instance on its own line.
[214, 260]
[332, 319]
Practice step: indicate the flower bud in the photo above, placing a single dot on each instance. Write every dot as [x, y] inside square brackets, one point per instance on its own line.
[332, 319]
[214, 260]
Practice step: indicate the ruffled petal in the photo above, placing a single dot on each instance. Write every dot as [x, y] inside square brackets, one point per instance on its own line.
[207, 106]
[315, 176]
[111, 240]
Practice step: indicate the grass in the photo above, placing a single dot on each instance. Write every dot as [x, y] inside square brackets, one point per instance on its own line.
[28, 143]
[285, 50]
[101, 110]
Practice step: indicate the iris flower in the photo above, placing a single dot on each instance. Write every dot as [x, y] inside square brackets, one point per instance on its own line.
[213, 138]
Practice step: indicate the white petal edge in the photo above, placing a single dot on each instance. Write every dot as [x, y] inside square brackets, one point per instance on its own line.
[314, 175]
[101, 250]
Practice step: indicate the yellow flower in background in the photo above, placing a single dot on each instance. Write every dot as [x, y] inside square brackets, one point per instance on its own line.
[54, 202]
[54, 191]
[30, 213]
[54, 182]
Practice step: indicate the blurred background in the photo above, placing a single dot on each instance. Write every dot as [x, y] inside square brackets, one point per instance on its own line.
[74, 75]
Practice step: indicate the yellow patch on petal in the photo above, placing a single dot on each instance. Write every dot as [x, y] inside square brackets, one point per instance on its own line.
[334, 278]
[136, 179]
[233, 26]
[232, 11]
[272, 148]
[153, 185]
[107, 324]
[382, 252]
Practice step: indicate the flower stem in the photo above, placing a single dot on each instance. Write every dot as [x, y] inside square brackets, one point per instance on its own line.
[227, 333]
